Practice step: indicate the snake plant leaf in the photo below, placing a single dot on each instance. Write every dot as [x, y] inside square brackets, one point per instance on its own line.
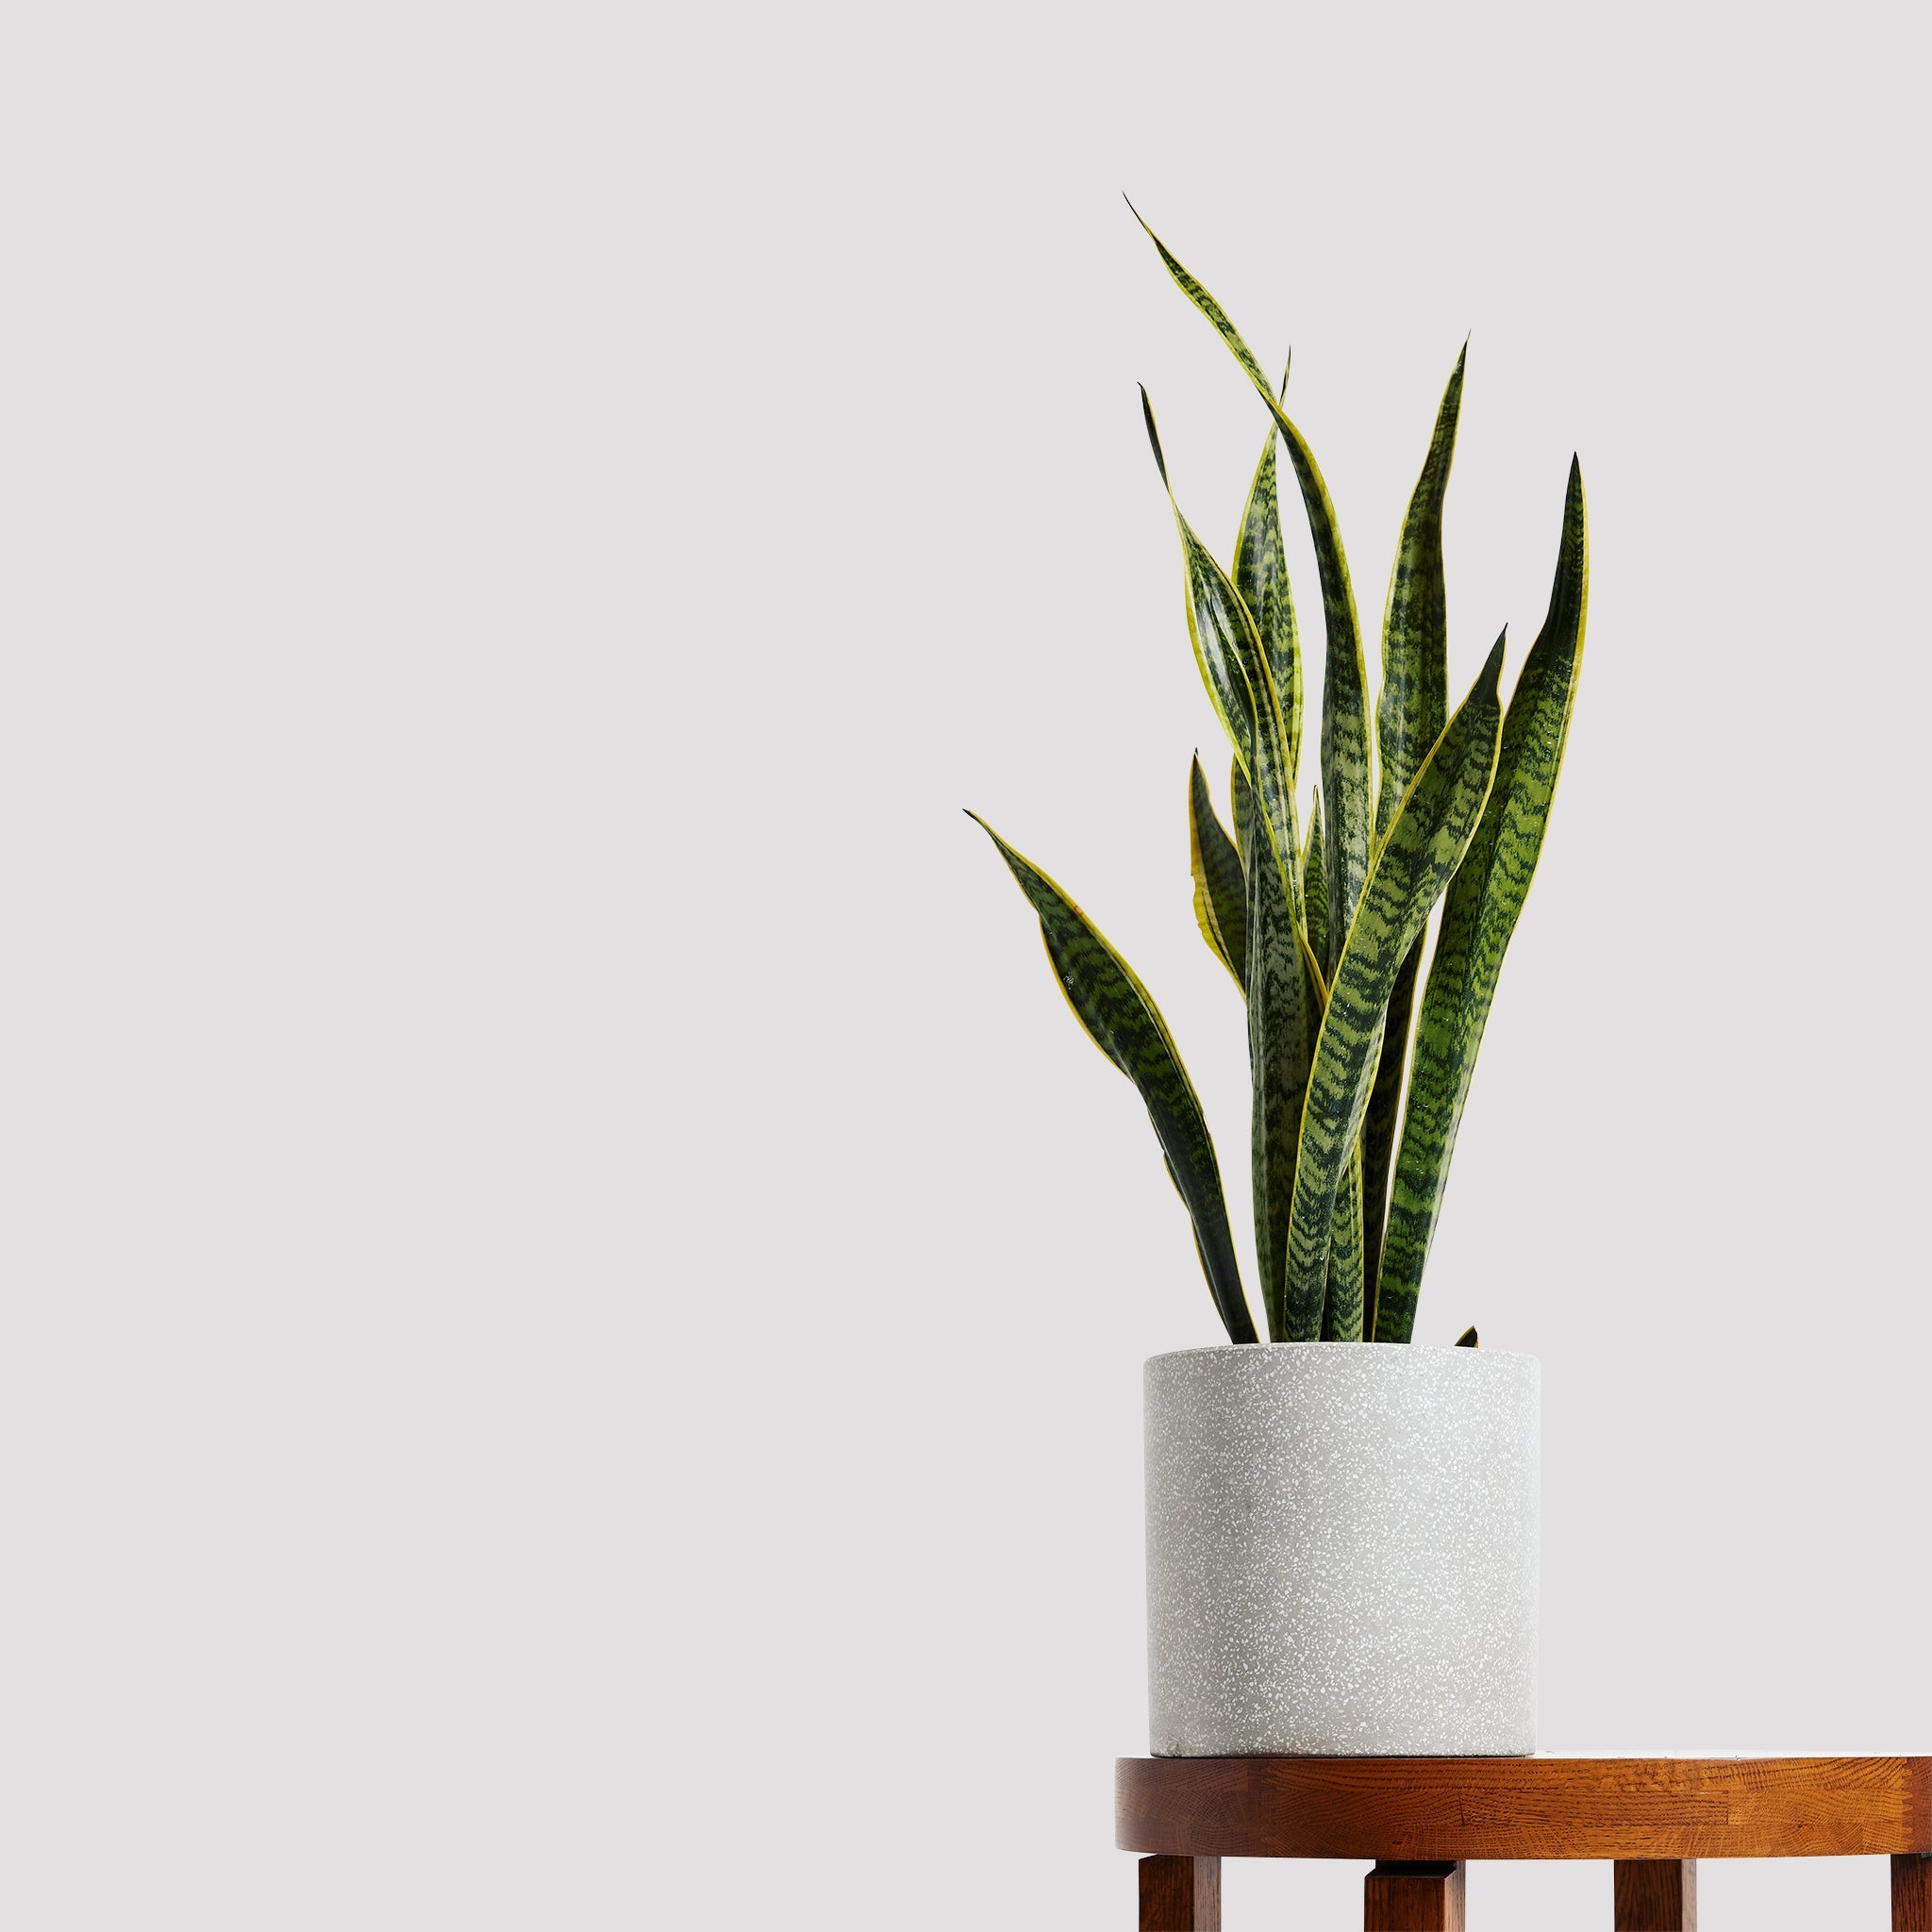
[1345, 686]
[1124, 1023]
[1206, 303]
[1409, 717]
[1284, 1015]
[1260, 574]
[1220, 891]
[1478, 918]
[1427, 838]
[1234, 667]
[1345, 783]
[1414, 704]
[1242, 801]
[1379, 1125]
[1342, 1307]
[1466, 1338]
[1315, 885]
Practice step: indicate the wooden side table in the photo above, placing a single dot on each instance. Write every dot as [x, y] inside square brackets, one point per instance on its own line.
[1422, 1819]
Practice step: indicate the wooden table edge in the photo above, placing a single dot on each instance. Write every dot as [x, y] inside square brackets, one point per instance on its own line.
[1523, 1807]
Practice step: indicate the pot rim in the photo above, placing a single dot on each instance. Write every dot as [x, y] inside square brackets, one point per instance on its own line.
[1407, 1348]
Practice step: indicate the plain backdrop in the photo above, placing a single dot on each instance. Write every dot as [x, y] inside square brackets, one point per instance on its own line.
[573, 1300]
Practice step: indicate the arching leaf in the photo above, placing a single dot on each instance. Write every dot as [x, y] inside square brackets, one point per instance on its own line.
[1346, 757]
[1121, 1018]
[1234, 667]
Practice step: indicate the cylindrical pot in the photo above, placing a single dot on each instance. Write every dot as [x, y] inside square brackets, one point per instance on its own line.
[1341, 1550]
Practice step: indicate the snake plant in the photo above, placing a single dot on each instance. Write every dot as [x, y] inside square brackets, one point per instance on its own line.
[1324, 932]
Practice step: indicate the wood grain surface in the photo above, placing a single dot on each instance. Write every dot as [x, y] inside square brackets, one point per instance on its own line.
[1912, 1894]
[1414, 1897]
[1410, 1809]
[1655, 1895]
[1180, 1895]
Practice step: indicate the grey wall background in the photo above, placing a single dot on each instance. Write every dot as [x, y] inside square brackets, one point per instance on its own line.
[563, 1263]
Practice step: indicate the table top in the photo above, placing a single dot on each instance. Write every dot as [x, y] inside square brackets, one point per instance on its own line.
[1523, 1807]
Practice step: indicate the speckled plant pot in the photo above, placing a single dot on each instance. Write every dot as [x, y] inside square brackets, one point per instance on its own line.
[1342, 1551]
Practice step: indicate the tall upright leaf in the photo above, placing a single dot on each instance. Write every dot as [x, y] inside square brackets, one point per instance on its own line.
[1346, 757]
[1284, 1012]
[1220, 891]
[1234, 667]
[1314, 885]
[1414, 704]
[1409, 718]
[1379, 1125]
[1479, 919]
[1121, 1020]
[1426, 843]
[1260, 574]
[1343, 1303]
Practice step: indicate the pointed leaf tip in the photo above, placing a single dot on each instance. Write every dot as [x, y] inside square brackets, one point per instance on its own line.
[1153, 433]
[1493, 665]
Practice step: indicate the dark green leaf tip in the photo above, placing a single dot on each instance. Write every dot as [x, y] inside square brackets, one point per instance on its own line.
[1493, 667]
[1466, 1338]
[1154, 435]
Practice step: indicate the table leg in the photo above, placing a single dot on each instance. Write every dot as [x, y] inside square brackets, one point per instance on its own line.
[1180, 1895]
[1656, 1895]
[1911, 1892]
[1400, 1897]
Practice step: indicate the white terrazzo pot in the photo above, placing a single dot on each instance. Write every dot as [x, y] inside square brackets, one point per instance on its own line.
[1341, 1550]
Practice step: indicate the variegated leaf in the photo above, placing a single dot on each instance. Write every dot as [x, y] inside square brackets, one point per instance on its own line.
[1234, 667]
[1425, 843]
[1409, 717]
[1478, 918]
[1343, 1307]
[1315, 884]
[1260, 574]
[1121, 1020]
[1414, 704]
[1346, 757]
[1379, 1126]
[1220, 891]
[1284, 1012]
